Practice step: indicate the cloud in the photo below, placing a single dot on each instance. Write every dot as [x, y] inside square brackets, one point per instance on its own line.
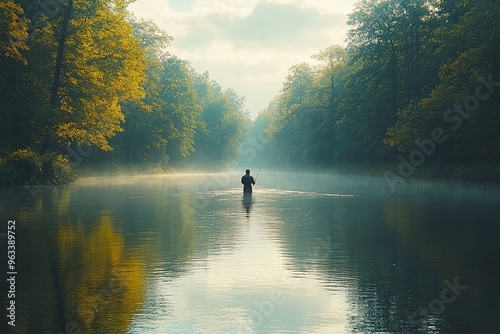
[248, 45]
[270, 25]
[181, 5]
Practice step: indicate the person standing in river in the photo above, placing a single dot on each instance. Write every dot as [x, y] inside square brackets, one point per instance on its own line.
[247, 180]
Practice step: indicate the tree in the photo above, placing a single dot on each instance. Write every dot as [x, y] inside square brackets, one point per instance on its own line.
[24, 81]
[295, 118]
[334, 56]
[469, 49]
[221, 125]
[143, 142]
[389, 43]
[105, 67]
[179, 107]
[13, 31]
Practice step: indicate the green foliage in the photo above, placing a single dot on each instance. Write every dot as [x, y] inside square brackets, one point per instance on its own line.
[21, 167]
[406, 64]
[221, 124]
[117, 91]
[179, 107]
[477, 171]
[25, 167]
[293, 116]
[56, 169]
[470, 50]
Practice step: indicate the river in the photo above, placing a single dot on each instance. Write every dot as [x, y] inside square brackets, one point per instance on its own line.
[307, 253]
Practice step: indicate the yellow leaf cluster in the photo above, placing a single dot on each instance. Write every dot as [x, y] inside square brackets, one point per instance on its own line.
[105, 66]
[13, 31]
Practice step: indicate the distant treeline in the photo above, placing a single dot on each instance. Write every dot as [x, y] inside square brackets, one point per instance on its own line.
[418, 84]
[85, 80]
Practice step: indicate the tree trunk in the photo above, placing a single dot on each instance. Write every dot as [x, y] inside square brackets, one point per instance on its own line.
[54, 98]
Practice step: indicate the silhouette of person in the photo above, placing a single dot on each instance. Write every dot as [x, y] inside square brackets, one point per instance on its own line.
[247, 180]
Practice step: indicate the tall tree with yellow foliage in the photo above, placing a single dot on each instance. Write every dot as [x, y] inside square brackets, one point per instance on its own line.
[104, 67]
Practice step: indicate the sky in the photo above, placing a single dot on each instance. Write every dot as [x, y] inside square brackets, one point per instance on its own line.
[248, 45]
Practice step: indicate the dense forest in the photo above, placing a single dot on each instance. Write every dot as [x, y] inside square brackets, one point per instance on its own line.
[414, 90]
[86, 84]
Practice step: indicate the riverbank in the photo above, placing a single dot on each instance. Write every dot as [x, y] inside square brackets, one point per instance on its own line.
[475, 172]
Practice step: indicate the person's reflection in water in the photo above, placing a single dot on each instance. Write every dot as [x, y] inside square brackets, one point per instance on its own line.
[247, 202]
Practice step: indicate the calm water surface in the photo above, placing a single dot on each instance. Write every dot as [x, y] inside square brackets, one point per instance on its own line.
[305, 254]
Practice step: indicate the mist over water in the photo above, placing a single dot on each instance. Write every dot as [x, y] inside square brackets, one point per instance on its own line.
[306, 253]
